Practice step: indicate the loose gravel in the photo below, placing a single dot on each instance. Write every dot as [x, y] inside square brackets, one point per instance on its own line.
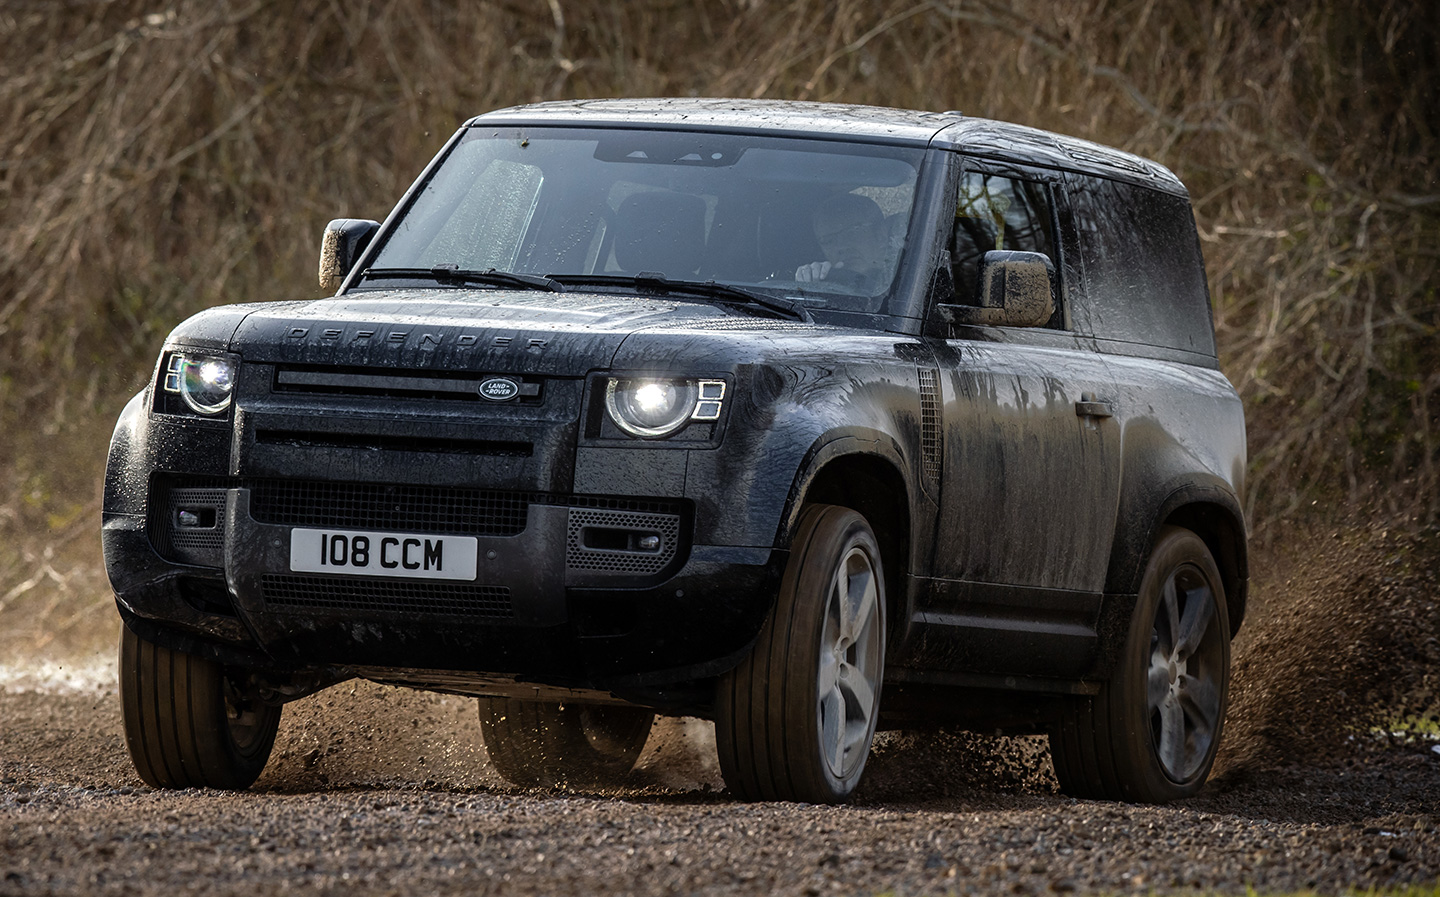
[377, 790]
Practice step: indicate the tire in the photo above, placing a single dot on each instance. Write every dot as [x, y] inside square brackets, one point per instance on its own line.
[794, 721]
[1151, 734]
[187, 722]
[535, 743]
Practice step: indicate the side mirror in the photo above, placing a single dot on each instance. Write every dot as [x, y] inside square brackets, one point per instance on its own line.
[344, 240]
[1017, 289]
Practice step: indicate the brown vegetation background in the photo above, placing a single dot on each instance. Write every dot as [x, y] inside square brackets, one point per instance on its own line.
[158, 158]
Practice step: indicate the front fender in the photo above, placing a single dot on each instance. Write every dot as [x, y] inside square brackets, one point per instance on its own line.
[790, 423]
[833, 445]
[125, 480]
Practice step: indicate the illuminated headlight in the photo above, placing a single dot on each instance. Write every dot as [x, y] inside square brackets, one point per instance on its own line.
[206, 383]
[652, 407]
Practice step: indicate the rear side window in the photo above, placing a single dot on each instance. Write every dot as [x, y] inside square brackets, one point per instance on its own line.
[1144, 276]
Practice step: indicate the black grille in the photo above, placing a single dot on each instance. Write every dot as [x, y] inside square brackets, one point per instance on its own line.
[579, 556]
[202, 542]
[367, 596]
[603, 503]
[930, 451]
[377, 506]
[419, 509]
[384, 383]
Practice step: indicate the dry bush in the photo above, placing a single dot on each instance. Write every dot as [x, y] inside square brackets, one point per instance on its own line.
[158, 159]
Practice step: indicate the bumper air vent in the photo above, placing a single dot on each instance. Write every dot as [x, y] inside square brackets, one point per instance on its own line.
[621, 541]
[187, 525]
[359, 597]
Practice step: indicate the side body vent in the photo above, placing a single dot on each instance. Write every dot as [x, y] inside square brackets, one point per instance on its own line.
[930, 442]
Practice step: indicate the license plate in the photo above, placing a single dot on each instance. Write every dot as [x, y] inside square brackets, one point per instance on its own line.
[411, 555]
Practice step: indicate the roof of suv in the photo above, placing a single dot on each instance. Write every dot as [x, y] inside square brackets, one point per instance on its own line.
[974, 136]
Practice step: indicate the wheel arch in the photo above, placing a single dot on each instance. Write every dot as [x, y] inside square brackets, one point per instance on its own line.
[1222, 529]
[863, 472]
[1211, 511]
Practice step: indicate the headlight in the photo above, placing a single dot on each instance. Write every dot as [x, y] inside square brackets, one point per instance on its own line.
[205, 382]
[652, 407]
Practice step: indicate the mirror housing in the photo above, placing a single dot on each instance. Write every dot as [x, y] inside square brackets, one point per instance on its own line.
[341, 246]
[1017, 289]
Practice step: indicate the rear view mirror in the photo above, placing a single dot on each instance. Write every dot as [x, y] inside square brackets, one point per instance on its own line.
[1017, 289]
[344, 241]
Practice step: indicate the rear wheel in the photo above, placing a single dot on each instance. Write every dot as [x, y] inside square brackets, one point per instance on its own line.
[1151, 733]
[534, 743]
[794, 721]
[189, 722]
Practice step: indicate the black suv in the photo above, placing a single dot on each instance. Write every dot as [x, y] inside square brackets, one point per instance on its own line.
[742, 410]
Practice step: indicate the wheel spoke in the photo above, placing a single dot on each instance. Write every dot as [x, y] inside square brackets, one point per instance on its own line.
[859, 706]
[1157, 683]
[829, 670]
[865, 607]
[1200, 700]
[832, 728]
[859, 693]
[1170, 608]
[1199, 604]
[840, 600]
[1172, 736]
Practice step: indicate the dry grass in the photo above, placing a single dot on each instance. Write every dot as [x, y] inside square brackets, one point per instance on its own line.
[160, 158]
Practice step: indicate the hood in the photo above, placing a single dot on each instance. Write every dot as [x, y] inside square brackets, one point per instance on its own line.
[553, 334]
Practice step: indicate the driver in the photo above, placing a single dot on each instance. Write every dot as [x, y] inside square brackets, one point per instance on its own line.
[850, 229]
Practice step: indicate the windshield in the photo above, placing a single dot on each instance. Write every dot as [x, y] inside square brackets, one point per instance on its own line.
[819, 223]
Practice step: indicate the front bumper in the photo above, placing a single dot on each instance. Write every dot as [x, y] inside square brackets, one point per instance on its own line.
[542, 607]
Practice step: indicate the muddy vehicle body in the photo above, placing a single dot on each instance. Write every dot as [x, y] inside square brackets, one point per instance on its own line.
[801, 418]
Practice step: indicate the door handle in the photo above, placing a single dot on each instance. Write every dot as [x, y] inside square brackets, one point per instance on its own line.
[1091, 406]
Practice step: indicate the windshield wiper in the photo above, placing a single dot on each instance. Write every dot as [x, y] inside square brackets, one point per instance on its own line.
[454, 273]
[659, 283]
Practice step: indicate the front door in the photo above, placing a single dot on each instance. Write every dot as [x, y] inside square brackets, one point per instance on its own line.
[1031, 461]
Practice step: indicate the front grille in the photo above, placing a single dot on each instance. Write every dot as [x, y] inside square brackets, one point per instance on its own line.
[287, 593]
[413, 509]
[386, 384]
[417, 509]
[415, 442]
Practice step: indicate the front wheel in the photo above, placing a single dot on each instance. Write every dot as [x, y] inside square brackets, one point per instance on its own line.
[794, 721]
[189, 722]
[534, 743]
[1151, 734]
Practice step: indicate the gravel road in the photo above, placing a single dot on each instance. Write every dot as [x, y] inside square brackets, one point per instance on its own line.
[376, 790]
[380, 790]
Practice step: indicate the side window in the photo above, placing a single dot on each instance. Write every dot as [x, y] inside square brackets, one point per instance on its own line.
[995, 212]
[1144, 277]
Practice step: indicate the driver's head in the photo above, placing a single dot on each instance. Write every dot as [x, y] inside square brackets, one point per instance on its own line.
[851, 231]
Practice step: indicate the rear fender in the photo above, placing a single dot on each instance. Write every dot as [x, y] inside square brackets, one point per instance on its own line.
[1206, 506]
